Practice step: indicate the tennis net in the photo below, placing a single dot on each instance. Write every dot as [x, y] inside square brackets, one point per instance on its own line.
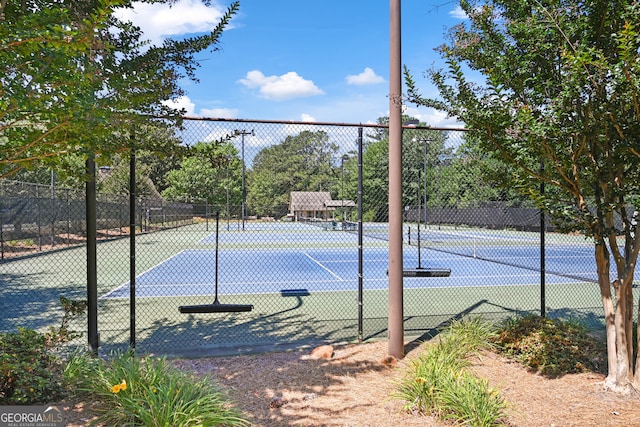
[558, 254]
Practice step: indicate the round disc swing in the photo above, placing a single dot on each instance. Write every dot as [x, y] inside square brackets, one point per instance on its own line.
[421, 271]
[216, 306]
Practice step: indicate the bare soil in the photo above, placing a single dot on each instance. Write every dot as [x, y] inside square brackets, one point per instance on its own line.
[355, 386]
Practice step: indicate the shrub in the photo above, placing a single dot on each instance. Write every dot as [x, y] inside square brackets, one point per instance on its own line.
[29, 373]
[438, 383]
[148, 392]
[30, 370]
[550, 346]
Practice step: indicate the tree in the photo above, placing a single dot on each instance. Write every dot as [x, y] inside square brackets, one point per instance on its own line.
[421, 155]
[44, 175]
[210, 173]
[375, 181]
[75, 79]
[304, 162]
[117, 176]
[168, 150]
[473, 177]
[560, 104]
[419, 148]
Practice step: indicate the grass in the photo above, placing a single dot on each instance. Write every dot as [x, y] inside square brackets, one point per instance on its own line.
[438, 382]
[145, 391]
[129, 390]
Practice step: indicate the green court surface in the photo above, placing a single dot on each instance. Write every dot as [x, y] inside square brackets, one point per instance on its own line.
[289, 308]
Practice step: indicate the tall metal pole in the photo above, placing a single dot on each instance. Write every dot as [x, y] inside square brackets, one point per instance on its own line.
[419, 215]
[342, 194]
[92, 275]
[426, 141]
[543, 268]
[132, 249]
[344, 158]
[396, 309]
[360, 244]
[53, 208]
[228, 207]
[439, 189]
[244, 194]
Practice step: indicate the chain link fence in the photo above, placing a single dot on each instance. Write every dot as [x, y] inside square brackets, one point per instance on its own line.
[38, 218]
[278, 237]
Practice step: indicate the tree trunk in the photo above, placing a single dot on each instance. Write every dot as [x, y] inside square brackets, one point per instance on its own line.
[602, 263]
[636, 376]
[628, 290]
[623, 377]
[619, 376]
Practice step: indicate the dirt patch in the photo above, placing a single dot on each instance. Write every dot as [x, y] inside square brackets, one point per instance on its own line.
[353, 388]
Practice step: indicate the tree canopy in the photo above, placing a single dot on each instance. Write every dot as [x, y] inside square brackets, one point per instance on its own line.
[75, 79]
[210, 173]
[551, 88]
[304, 162]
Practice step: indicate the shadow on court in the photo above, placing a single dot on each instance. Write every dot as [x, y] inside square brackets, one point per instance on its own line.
[34, 307]
[233, 333]
[588, 318]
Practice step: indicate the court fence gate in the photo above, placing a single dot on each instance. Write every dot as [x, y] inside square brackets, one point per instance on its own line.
[290, 220]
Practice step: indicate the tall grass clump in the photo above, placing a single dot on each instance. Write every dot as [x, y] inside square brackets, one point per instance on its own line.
[144, 391]
[438, 382]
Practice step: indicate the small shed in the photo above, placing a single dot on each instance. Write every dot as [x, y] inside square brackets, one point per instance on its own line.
[315, 205]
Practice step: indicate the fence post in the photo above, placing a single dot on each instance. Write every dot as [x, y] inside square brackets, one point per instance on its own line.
[132, 249]
[543, 283]
[68, 217]
[360, 243]
[38, 218]
[1, 235]
[54, 210]
[92, 276]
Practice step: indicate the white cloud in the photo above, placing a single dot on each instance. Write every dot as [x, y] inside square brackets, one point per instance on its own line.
[458, 13]
[182, 102]
[286, 86]
[159, 21]
[367, 77]
[307, 118]
[224, 113]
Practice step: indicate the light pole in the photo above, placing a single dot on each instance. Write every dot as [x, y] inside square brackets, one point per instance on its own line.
[242, 133]
[424, 172]
[228, 158]
[426, 141]
[441, 160]
[344, 159]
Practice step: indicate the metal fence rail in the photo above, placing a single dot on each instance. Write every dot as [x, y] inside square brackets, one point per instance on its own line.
[301, 237]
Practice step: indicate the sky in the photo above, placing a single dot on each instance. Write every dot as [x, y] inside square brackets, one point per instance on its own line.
[312, 61]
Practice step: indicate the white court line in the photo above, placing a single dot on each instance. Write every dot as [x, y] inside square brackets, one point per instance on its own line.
[138, 275]
[322, 266]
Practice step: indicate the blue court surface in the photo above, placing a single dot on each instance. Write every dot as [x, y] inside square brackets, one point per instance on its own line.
[193, 272]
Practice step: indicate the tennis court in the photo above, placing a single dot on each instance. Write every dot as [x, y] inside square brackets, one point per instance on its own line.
[302, 280]
[331, 267]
